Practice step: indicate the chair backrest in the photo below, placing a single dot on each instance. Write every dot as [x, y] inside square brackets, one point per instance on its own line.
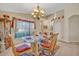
[35, 46]
[9, 40]
[53, 39]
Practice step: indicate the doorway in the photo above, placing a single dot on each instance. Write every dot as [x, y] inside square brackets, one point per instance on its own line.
[57, 27]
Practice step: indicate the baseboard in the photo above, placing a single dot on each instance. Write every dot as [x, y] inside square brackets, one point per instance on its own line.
[74, 41]
[67, 41]
[63, 41]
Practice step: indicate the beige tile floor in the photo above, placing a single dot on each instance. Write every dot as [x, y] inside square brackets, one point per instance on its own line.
[65, 49]
[7, 52]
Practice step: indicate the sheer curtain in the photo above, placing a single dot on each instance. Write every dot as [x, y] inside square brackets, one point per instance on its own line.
[23, 28]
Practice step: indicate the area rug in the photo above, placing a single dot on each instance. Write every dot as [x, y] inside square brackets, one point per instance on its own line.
[41, 53]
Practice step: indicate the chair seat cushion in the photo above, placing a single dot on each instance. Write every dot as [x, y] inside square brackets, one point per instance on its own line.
[22, 48]
[45, 45]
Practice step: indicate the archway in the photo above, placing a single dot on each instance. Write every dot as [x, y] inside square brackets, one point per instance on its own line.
[74, 28]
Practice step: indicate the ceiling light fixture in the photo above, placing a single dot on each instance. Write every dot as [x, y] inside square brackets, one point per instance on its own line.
[38, 12]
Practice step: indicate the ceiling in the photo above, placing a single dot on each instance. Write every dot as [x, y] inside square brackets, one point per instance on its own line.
[27, 8]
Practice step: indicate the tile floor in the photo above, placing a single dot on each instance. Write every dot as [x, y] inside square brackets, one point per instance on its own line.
[65, 49]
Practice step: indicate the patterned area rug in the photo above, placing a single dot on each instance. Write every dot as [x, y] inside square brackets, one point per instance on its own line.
[45, 52]
[42, 53]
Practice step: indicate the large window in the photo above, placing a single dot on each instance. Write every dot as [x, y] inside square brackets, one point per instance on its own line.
[23, 28]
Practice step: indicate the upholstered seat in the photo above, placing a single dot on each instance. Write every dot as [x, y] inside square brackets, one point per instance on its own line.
[22, 48]
[46, 43]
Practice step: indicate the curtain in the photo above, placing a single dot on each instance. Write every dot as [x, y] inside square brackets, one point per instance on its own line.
[23, 28]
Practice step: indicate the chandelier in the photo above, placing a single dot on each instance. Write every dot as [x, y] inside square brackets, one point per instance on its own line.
[38, 12]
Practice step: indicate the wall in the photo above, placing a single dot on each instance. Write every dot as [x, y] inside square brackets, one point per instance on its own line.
[70, 10]
[18, 15]
[39, 25]
[47, 23]
[56, 25]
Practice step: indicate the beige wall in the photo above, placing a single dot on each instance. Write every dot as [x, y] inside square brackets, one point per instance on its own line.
[46, 23]
[57, 25]
[17, 15]
[72, 9]
[69, 11]
[39, 25]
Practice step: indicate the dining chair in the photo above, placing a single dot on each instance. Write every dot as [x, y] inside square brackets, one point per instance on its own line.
[18, 49]
[50, 45]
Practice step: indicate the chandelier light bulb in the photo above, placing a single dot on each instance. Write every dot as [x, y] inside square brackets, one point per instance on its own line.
[42, 11]
[34, 10]
[32, 13]
[37, 10]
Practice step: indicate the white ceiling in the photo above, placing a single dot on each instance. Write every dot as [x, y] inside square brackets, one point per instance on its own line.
[27, 8]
